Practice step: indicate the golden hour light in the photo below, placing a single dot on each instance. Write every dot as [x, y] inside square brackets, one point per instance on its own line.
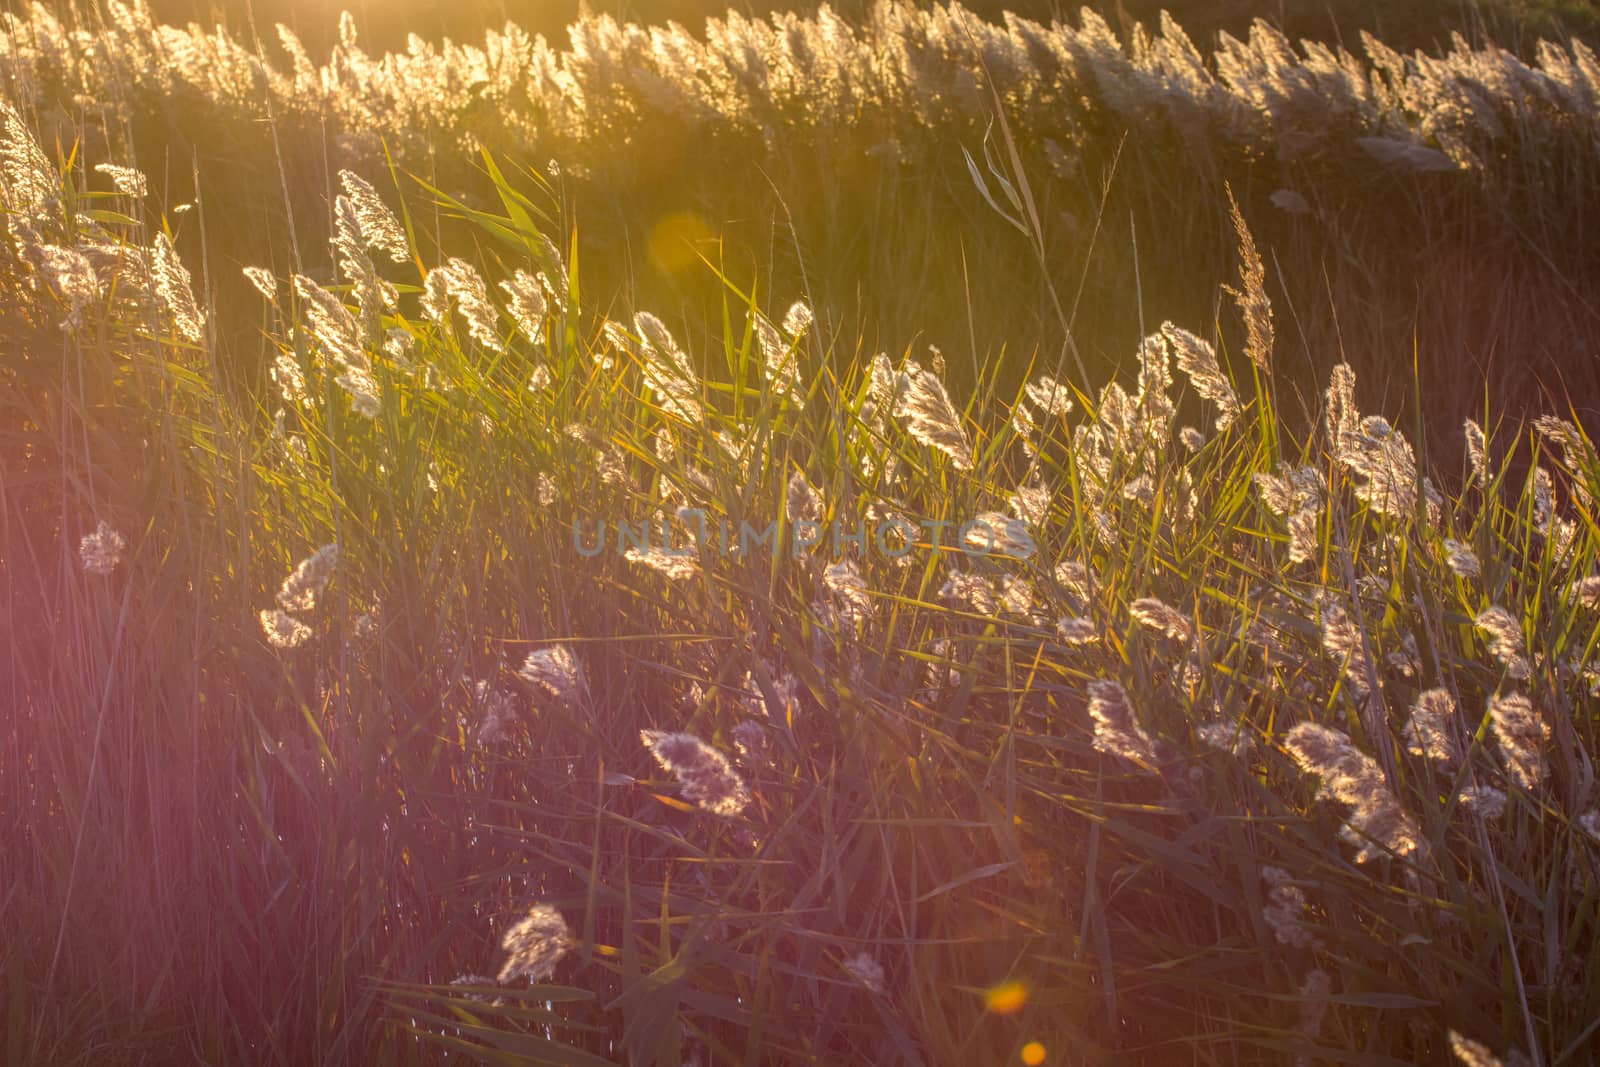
[877, 532]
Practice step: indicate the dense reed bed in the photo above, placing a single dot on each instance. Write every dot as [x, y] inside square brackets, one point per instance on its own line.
[418, 705]
[1429, 214]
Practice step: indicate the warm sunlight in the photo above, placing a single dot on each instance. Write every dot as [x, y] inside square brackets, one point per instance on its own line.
[875, 532]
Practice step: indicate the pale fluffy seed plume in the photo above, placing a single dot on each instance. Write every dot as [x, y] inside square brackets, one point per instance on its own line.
[101, 551]
[457, 281]
[1251, 297]
[866, 970]
[992, 533]
[1462, 561]
[1051, 397]
[675, 566]
[1290, 490]
[1505, 639]
[1586, 592]
[1116, 732]
[284, 630]
[29, 181]
[797, 320]
[1285, 909]
[1314, 994]
[366, 398]
[1477, 452]
[1521, 733]
[535, 945]
[174, 289]
[128, 181]
[849, 590]
[779, 360]
[72, 276]
[379, 228]
[920, 399]
[300, 590]
[1341, 638]
[972, 591]
[706, 775]
[556, 671]
[1075, 630]
[666, 369]
[498, 711]
[263, 280]
[1482, 802]
[525, 300]
[1074, 577]
[1377, 822]
[1197, 359]
[1473, 1053]
[785, 690]
[1162, 617]
[335, 331]
[801, 502]
[1031, 504]
[750, 738]
[1430, 731]
[1224, 736]
[1304, 544]
[372, 292]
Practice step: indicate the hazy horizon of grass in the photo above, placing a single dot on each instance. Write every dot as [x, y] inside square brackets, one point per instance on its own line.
[1439, 196]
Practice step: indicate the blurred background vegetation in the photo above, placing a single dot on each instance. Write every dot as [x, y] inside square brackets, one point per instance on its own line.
[1406, 25]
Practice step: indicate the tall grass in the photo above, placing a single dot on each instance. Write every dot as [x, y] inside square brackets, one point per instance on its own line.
[339, 744]
[1439, 197]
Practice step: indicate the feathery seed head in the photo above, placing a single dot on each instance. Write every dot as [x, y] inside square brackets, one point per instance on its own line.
[866, 970]
[377, 225]
[284, 630]
[797, 321]
[1160, 616]
[1482, 801]
[1521, 733]
[557, 671]
[174, 290]
[1462, 561]
[1477, 452]
[535, 945]
[849, 589]
[992, 533]
[1377, 822]
[707, 777]
[972, 591]
[1286, 904]
[1197, 359]
[1431, 731]
[1505, 640]
[1075, 630]
[525, 300]
[127, 179]
[674, 565]
[101, 551]
[1053, 399]
[263, 280]
[1116, 732]
[310, 576]
[920, 399]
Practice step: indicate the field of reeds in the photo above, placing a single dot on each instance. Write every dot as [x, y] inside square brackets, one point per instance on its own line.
[900, 540]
